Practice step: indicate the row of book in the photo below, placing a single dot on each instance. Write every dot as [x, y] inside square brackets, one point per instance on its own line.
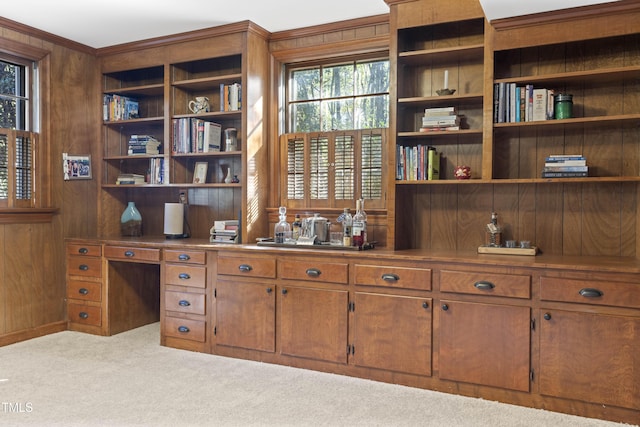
[192, 135]
[117, 107]
[565, 166]
[230, 97]
[440, 119]
[417, 163]
[143, 145]
[224, 231]
[156, 174]
[513, 103]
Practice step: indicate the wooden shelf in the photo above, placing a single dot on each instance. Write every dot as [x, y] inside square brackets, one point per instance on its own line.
[442, 54]
[207, 82]
[145, 120]
[145, 90]
[463, 132]
[417, 101]
[573, 121]
[594, 76]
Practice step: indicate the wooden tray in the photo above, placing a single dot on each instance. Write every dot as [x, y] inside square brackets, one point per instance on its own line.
[507, 251]
[312, 247]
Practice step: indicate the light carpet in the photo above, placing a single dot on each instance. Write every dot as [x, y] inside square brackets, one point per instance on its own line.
[74, 379]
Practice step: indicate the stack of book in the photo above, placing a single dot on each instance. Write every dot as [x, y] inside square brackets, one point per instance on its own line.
[513, 103]
[440, 119]
[230, 97]
[143, 144]
[156, 170]
[117, 107]
[417, 163]
[129, 178]
[224, 231]
[565, 166]
[191, 135]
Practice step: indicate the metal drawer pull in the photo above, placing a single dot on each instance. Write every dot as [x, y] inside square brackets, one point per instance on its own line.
[484, 286]
[184, 257]
[313, 272]
[83, 315]
[445, 307]
[269, 290]
[83, 251]
[184, 276]
[183, 329]
[83, 267]
[591, 293]
[184, 303]
[129, 254]
[83, 291]
[390, 277]
[244, 267]
[425, 305]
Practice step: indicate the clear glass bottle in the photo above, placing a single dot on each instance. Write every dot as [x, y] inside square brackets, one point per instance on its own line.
[282, 228]
[359, 230]
[347, 227]
[296, 227]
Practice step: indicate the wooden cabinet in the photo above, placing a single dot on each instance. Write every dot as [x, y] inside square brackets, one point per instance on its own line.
[245, 298]
[484, 341]
[184, 299]
[164, 79]
[84, 287]
[588, 353]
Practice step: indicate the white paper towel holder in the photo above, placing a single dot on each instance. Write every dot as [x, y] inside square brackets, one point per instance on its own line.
[174, 221]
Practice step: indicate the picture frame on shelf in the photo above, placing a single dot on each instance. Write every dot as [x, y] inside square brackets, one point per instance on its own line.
[76, 166]
[200, 173]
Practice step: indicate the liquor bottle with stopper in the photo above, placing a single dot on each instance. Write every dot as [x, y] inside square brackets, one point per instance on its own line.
[282, 228]
[493, 234]
[359, 228]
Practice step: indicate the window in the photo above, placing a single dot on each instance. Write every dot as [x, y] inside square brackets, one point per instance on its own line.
[17, 131]
[338, 96]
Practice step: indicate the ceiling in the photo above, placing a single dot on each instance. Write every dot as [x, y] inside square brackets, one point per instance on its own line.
[101, 23]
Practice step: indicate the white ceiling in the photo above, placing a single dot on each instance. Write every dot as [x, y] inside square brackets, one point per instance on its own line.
[101, 23]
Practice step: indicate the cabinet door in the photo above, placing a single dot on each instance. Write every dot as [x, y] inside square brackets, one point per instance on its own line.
[313, 323]
[245, 315]
[486, 344]
[590, 357]
[392, 333]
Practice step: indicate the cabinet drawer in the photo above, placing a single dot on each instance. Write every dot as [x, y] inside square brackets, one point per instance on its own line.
[184, 302]
[309, 269]
[185, 275]
[125, 253]
[78, 265]
[503, 285]
[188, 257]
[184, 328]
[247, 266]
[88, 291]
[597, 292]
[395, 277]
[85, 250]
[85, 314]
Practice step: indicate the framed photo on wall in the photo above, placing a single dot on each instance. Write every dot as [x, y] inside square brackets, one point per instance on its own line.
[200, 173]
[76, 166]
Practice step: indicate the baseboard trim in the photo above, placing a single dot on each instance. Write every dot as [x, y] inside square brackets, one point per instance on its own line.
[27, 334]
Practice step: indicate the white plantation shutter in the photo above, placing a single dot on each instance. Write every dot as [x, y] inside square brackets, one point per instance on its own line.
[17, 168]
[371, 166]
[295, 169]
[344, 164]
[319, 168]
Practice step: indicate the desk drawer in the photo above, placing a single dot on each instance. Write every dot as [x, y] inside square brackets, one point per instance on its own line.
[185, 275]
[84, 314]
[87, 291]
[78, 265]
[134, 254]
[247, 266]
[184, 328]
[597, 292]
[84, 250]
[393, 277]
[502, 285]
[184, 302]
[187, 257]
[317, 271]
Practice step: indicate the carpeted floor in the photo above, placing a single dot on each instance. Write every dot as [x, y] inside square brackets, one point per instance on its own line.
[73, 379]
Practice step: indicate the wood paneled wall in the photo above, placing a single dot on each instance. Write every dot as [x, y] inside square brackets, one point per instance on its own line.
[32, 256]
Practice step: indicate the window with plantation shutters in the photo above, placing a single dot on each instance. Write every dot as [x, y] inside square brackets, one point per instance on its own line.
[16, 168]
[334, 169]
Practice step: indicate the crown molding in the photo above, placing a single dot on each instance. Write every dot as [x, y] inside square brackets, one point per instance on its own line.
[46, 36]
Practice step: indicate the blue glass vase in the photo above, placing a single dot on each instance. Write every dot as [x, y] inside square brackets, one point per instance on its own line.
[131, 221]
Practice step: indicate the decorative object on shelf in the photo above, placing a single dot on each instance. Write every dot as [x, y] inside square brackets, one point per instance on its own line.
[493, 234]
[174, 221]
[230, 139]
[235, 179]
[200, 173]
[462, 172]
[199, 105]
[282, 229]
[131, 221]
[76, 167]
[445, 88]
[563, 106]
